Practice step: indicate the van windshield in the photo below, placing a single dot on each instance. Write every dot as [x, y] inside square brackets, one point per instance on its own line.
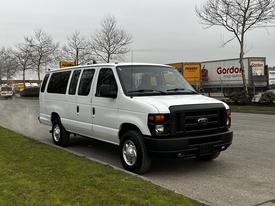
[152, 80]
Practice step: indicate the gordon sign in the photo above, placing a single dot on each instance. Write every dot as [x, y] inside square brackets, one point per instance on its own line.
[230, 70]
[227, 72]
[257, 68]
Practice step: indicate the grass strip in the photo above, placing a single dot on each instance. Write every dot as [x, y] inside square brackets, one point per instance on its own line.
[258, 109]
[32, 173]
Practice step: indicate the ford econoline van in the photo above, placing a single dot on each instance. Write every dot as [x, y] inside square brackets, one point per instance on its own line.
[145, 109]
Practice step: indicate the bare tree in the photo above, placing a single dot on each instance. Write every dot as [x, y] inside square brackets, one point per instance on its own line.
[8, 66]
[23, 58]
[110, 41]
[77, 49]
[2, 65]
[238, 17]
[42, 50]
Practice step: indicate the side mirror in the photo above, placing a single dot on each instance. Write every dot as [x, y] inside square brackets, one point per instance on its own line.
[107, 90]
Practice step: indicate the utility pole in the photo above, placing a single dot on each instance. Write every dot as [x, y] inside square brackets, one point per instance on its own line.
[76, 59]
[77, 55]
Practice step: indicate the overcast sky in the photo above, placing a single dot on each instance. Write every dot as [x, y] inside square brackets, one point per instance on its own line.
[163, 31]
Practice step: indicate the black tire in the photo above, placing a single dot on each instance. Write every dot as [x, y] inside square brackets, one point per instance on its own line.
[208, 157]
[64, 136]
[143, 160]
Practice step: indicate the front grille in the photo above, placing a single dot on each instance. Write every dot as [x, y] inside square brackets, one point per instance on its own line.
[186, 119]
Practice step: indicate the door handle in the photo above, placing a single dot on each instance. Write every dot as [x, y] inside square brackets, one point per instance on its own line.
[77, 109]
[93, 111]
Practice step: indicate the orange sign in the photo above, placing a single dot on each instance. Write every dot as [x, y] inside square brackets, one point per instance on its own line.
[176, 65]
[192, 73]
[63, 64]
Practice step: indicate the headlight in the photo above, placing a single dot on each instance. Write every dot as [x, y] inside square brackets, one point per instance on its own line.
[159, 124]
[159, 129]
[228, 118]
[228, 122]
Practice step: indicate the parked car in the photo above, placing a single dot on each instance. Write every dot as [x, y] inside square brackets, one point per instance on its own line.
[144, 109]
[30, 92]
[6, 91]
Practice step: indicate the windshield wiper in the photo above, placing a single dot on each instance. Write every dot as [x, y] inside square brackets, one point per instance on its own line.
[182, 89]
[147, 90]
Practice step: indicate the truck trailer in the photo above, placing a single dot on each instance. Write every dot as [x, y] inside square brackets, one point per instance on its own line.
[191, 72]
[225, 75]
[271, 77]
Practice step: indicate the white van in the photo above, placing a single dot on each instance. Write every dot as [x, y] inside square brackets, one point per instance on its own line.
[6, 91]
[145, 109]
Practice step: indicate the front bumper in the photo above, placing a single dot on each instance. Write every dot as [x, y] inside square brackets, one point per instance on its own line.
[6, 95]
[189, 146]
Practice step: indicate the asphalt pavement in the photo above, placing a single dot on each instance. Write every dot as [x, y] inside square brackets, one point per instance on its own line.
[242, 175]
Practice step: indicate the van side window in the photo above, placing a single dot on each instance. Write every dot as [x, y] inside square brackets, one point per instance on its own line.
[106, 76]
[85, 82]
[58, 82]
[74, 80]
[44, 82]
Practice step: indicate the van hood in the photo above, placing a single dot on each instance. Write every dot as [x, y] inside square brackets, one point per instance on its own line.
[163, 102]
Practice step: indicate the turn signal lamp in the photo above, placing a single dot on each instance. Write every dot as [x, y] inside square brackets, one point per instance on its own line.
[228, 112]
[157, 117]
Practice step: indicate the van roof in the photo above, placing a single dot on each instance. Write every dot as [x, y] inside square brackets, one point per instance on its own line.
[108, 65]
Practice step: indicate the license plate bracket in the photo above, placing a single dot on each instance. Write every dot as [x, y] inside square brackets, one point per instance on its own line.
[206, 149]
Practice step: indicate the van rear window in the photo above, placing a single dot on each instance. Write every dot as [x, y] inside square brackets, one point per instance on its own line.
[58, 82]
[74, 81]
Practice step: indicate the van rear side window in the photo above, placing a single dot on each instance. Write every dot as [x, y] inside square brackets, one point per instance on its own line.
[74, 80]
[58, 82]
[44, 82]
[85, 82]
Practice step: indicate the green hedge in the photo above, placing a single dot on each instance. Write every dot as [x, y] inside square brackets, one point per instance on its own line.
[267, 98]
[238, 97]
[30, 92]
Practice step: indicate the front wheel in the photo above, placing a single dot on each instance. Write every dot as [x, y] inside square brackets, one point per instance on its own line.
[60, 136]
[133, 153]
[209, 157]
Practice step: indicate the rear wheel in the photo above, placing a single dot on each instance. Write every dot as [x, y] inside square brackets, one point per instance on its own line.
[208, 157]
[133, 153]
[60, 136]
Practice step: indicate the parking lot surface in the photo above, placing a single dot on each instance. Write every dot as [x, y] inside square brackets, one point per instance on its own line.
[242, 175]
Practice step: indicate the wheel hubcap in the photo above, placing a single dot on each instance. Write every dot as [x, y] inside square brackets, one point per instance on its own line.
[56, 133]
[129, 153]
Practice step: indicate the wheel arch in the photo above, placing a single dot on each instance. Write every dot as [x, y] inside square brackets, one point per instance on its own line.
[54, 116]
[127, 127]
